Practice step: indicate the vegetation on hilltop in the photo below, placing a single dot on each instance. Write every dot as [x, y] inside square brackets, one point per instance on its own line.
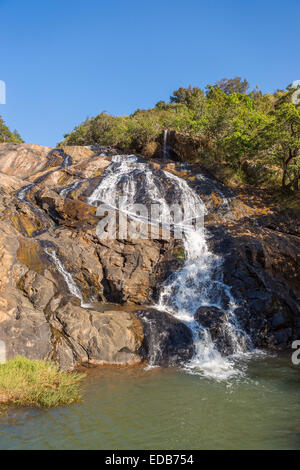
[7, 136]
[255, 136]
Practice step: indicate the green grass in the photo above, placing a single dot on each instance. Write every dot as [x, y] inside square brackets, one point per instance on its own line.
[37, 383]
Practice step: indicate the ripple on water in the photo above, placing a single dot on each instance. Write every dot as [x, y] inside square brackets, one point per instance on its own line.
[133, 408]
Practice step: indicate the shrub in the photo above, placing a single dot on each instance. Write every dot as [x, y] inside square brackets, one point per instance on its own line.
[37, 383]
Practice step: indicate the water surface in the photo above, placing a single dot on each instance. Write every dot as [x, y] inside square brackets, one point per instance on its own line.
[169, 409]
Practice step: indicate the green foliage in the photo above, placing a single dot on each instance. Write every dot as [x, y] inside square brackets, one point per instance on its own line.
[37, 383]
[233, 85]
[280, 138]
[233, 128]
[7, 136]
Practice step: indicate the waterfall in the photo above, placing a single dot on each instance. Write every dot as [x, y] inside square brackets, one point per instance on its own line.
[200, 281]
[165, 149]
[71, 284]
[69, 189]
[23, 192]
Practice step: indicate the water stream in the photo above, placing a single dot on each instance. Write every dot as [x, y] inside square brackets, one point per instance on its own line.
[69, 189]
[22, 194]
[71, 284]
[137, 408]
[48, 248]
[127, 182]
[165, 143]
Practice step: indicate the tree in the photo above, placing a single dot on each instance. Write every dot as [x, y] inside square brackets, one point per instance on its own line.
[7, 136]
[280, 136]
[233, 85]
[186, 95]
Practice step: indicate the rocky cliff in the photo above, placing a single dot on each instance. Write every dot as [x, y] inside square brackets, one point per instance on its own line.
[69, 296]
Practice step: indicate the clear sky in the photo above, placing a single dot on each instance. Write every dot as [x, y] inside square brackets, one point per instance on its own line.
[64, 60]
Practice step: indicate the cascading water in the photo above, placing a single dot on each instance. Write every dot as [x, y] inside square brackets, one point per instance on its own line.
[71, 284]
[68, 190]
[23, 192]
[49, 250]
[199, 282]
[165, 148]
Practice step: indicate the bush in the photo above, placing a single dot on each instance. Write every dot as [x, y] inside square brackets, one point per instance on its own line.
[7, 136]
[236, 129]
[37, 383]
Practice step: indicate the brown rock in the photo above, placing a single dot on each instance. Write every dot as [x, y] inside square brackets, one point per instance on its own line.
[23, 160]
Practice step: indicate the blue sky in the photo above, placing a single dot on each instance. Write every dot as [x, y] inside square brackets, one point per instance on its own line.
[65, 60]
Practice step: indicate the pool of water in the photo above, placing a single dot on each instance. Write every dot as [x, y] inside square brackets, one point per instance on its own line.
[169, 409]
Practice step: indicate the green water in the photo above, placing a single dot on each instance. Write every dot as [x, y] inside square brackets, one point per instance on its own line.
[169, 409]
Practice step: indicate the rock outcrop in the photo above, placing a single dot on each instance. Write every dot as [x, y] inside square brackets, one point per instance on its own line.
[215, 321]
[38, 316]
[56, 274]
[261, 263]
[167, 341]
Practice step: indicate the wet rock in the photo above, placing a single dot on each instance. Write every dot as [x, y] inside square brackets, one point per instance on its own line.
[260, 261]
[167, 341]
[216, 322]
[262, 266]
[129, 268]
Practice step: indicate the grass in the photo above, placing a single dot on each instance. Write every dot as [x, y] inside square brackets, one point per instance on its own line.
[37, 383]
[179, 252]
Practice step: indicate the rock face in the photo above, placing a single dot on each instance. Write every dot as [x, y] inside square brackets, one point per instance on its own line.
[215, 321]
[167, 341]
[24, 160]
[184, 148]
[262, 263]
[55, 271]
[38, 316]
[81, 336]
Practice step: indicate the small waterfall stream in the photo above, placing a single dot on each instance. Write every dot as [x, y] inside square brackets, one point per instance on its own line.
[73, 288]
[199, 282]
[71, 284]
[48, 248]
[128, 181]
[22, 193]
[165, 142]
[69, 189]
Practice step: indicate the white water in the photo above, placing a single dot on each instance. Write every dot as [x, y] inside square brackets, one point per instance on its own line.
[199, 282]
[66, 191]
[165, 149]
[23, 192]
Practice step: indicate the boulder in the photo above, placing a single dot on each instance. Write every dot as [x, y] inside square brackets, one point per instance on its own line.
[25, 332]
[167, 340]
[216, 322]
[89, 336]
